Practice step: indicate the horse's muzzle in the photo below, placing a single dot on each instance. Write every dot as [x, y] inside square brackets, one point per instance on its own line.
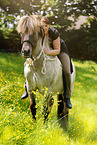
[25, 53]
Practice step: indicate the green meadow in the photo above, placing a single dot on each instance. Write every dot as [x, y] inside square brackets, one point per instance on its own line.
[16, 124]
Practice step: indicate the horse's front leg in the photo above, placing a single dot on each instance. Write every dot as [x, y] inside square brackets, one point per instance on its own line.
[32, 105]
[47, 106]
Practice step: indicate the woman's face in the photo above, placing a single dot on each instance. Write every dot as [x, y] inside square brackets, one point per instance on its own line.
[45, 26]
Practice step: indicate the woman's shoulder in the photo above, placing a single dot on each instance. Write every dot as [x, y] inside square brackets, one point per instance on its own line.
[51, 29]
[53, 32]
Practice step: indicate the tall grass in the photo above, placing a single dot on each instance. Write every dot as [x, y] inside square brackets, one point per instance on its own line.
[16, 124]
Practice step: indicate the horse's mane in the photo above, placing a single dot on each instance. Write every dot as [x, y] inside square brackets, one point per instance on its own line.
[28, 24]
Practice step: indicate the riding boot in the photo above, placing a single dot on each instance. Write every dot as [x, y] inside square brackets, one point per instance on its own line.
[68, 103]
[25, 94]
[68, 91]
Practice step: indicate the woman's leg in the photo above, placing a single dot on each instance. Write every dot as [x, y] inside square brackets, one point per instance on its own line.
[65, 60]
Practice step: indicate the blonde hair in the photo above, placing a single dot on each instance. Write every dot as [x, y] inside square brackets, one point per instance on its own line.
[28, 24]
[45, 19]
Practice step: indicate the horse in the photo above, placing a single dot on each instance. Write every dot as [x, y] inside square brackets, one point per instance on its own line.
[41, 70]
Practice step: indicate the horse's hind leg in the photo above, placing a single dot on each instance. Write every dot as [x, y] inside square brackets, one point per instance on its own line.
[47, 106]
[32, 105]
[62, 112]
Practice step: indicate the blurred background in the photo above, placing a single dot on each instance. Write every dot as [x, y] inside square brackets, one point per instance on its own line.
[76, 21]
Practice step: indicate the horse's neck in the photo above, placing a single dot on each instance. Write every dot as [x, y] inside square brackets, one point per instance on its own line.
[46, 42]
[38, 53]
[39, 46]
[37, 49]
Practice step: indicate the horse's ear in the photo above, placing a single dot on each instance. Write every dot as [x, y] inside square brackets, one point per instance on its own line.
[21, 14]
[38, 17]
[28, 13]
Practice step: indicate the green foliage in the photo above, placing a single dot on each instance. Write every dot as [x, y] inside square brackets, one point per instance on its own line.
[9, 40]
[13, 6]
[16, 124]
[58, 10]
[82, 43]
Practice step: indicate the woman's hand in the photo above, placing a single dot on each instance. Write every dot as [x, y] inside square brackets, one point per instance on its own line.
[56, 50]
[51, 52]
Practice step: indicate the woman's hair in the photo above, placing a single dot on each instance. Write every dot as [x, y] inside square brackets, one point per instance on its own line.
[45, 19]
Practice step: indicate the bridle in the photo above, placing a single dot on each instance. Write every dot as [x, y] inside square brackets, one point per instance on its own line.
[42, 33]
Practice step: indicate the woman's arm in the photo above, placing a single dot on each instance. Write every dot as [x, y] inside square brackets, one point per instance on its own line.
[56, 45]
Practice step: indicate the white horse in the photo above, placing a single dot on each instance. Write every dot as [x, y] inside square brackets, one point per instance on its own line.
[41, 70]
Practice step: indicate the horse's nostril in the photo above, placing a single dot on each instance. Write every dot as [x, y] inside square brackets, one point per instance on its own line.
[25, 53]
[29, 51]
[22, 51]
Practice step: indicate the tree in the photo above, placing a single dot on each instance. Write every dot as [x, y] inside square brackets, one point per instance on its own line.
[58, 10]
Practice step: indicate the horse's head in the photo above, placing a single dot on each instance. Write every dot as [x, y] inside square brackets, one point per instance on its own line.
[29, 28]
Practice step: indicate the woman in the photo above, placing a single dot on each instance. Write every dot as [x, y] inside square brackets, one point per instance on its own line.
[58, 48]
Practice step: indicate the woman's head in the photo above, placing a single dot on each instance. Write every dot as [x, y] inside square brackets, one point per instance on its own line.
[45, 22]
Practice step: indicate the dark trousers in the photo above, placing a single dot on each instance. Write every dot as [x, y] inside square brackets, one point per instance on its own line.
[65, 60]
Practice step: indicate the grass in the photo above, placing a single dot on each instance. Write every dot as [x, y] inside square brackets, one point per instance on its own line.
[16, 125]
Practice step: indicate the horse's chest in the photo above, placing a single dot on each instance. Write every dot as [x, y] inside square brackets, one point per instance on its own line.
[42, 80]
[52, 78]
[37, 78]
